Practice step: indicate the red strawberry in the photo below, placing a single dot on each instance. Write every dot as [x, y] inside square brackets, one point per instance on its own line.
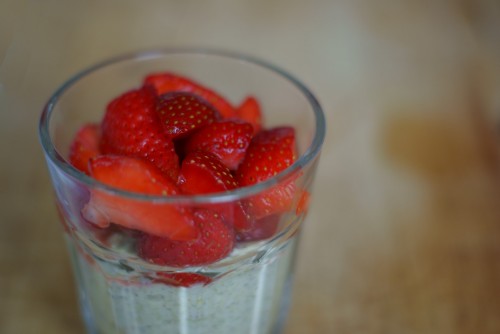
[85, 145]
[184, 113]
[204, 173]
[215, 242]
[270, 152]
[140, 176]
[131, 127]
[168, 82]
[249, 111]
[182, 279]
[228, 140]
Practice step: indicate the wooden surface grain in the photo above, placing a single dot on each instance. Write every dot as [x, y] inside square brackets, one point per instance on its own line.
[404, 232]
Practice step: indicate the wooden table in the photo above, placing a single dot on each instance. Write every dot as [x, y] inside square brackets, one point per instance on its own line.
[404, 232]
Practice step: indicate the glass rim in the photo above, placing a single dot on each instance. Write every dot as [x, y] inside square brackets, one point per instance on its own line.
[61, 163]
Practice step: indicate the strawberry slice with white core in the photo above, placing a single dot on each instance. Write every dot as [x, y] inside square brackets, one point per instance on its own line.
[140, 176]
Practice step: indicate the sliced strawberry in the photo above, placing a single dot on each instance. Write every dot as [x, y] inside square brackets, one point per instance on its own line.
[169, 82]
[249, 111]
[85, 145]
[270, 152]
[182, 279]
[140, 176]
[204, 173]
[131, 127]
[228, 140]
[215, 242]
[183, 113]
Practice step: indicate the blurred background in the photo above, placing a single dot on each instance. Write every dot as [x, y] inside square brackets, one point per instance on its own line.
[404, 230]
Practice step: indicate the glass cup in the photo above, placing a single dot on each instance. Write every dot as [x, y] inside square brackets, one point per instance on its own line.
[246, 292]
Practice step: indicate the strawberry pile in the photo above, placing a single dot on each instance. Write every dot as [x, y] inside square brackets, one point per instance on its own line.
[173, 136]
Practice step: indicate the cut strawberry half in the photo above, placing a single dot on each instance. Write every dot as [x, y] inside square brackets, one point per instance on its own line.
[203, 173]
[215, 242]
[140, 176]
[85, 145]
[249, 111]
[228, 140]
[131, 127]
[270, 152]
[183, 113]
[167, 82]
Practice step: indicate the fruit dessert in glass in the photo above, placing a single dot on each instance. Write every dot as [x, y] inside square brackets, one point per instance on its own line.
[182, 179]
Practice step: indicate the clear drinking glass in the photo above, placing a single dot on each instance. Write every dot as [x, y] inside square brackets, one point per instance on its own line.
[246, 292]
